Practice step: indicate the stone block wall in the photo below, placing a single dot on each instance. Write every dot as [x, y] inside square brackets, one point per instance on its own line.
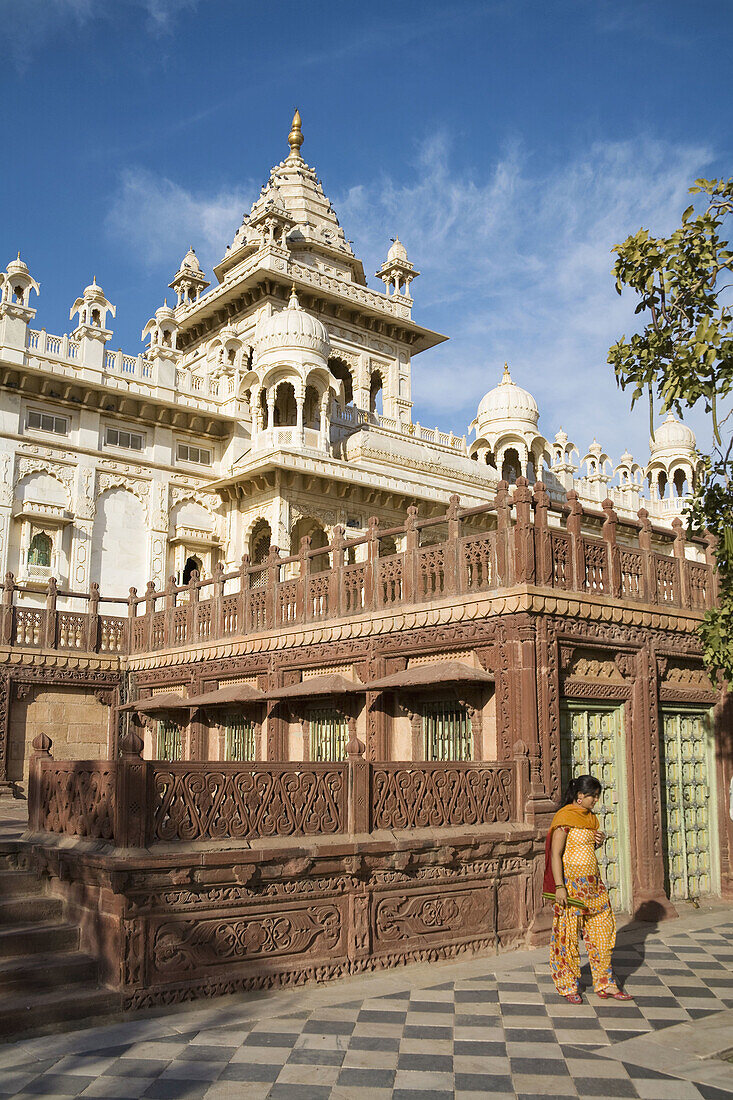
[76, 720]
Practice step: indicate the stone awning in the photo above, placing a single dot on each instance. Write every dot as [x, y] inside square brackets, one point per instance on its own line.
[427, 676]
[167, 701]
[229, 695]
[331, 683]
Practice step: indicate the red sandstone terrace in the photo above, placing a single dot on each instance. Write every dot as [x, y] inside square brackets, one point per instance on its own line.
[311, 768]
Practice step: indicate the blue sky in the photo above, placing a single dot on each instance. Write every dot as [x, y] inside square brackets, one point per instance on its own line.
[510, 144]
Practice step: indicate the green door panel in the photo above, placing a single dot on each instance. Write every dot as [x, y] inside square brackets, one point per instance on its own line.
[591, 742]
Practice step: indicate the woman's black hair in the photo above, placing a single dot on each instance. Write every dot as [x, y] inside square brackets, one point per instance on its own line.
[582, 784]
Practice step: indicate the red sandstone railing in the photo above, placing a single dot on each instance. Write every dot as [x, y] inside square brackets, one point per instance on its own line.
[134, 803]
[442, 558]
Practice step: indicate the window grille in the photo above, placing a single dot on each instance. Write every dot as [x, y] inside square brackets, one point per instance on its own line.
[447, 731]
[131, 441]
[169, 742]
[46, 422]
[39, 551]
[239, 738]
[200, 455]
[329, 735]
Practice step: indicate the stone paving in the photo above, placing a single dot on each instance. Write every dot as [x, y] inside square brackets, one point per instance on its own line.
[456, 1029]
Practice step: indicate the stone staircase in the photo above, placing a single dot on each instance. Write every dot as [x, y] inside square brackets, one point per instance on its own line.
[46, 982]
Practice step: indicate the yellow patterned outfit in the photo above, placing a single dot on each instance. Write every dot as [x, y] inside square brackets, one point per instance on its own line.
[597, 924]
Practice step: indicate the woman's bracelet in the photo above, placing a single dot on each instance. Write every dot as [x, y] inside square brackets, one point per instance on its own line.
[560, 886]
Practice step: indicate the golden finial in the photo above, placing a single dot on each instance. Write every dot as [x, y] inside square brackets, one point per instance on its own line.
[295, 137]
[506, 376]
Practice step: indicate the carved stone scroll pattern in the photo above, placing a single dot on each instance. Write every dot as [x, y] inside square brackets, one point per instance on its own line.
[420, 919]
[187, 945]
[77, 798]
[226, 803]
[439, 794]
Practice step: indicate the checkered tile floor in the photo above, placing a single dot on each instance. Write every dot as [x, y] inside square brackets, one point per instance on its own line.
[508, 1035]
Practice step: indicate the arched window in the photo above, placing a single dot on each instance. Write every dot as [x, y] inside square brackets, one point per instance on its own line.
[680, 483]
[662, 485]
[192, 565]
[285, 407]
[375, 394]
[311, 408]
[39, 551]
[259, 548]
[510, 467]
[339, 369]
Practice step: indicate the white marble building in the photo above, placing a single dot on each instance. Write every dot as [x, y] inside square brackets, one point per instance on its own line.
[270, 404]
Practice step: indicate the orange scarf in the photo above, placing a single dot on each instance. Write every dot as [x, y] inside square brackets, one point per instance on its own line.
[567, 817]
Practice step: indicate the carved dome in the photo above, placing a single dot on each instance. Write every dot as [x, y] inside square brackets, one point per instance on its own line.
[94, 290]
[672, 435]
[508, 402]
[293, 327]
[17, 267]
[397, 251]
[191, 261]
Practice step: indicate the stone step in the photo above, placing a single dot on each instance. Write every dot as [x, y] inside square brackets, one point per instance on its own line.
[31, 1012]
[26, 939]
[41, 972]
[26, 910]
[15, 884]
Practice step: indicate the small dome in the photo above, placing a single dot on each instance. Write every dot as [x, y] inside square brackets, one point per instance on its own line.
[508, 401]
[397, 251]
[293, 327]
[672, 435]
[93, 290]
[190, 260]
[17, 267]
[165, 313]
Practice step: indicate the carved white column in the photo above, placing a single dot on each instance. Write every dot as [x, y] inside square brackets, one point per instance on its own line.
[158, 533]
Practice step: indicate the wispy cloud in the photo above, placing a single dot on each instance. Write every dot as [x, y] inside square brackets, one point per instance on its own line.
[517, 266]
[156, 220]
[27, 25]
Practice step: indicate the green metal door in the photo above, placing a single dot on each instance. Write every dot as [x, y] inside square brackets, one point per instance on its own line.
[688, 816]
[592, 743]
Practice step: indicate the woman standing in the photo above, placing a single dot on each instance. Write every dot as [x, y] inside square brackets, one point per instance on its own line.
[572, 875]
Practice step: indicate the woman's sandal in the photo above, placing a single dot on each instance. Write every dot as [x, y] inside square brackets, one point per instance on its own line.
[616, 995]
[573, 998]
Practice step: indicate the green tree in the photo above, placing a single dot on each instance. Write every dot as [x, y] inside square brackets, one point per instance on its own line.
[684, 355]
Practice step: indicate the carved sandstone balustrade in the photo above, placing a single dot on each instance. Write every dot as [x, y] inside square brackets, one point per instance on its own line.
[465, 552]
[133, 803]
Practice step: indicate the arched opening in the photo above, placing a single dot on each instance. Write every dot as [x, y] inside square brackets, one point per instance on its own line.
[193, 565]
[286, 412]
[375, 394]
[263, 410]
[510, 466]
[339, 369]
[662, 483]
[310, 528]
[680, 483]
[311, 408]
[40, 550]
[259, 548]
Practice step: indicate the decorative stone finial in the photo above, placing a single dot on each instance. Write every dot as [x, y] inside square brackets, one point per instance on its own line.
[506, 376]
[293, 302]
[295, 137]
